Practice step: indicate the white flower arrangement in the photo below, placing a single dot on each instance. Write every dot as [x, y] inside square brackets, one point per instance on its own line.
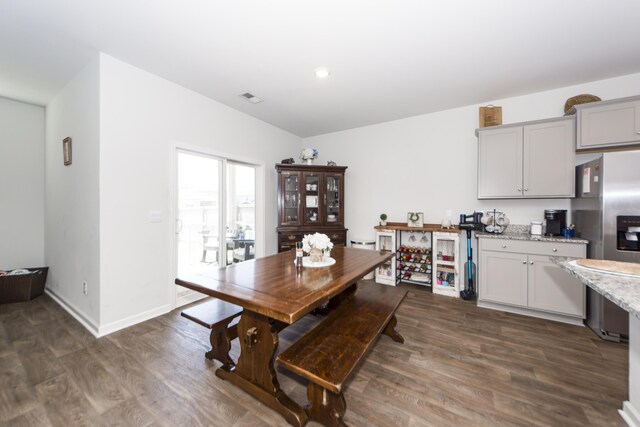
[309, 154]
[316, 241]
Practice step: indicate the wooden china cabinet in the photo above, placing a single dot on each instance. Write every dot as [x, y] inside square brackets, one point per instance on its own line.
[310, 200]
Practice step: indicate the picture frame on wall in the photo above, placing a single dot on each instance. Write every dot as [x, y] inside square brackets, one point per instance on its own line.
[66, 150]
[415, 219]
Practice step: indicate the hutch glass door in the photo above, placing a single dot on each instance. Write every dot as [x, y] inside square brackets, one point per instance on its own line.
[312, 201]
[291, 199]
[332, 199]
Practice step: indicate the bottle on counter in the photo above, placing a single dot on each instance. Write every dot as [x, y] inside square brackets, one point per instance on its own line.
[299, 255]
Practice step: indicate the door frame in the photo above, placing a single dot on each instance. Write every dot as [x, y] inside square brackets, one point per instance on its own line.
[260, 185]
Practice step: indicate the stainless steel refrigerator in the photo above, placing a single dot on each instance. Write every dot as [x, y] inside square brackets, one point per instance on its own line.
[606, 211]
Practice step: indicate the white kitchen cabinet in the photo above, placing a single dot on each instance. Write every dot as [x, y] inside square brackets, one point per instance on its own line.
[386, 242]
[527, 160]
[518, 276]
[503, 278]
[500, 163]
[446, 264]
[552, 289]
[608, 123]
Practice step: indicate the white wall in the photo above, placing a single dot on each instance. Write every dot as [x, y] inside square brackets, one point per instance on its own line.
[428, 163]
[141, 116]
[72, 196]
[21, 185]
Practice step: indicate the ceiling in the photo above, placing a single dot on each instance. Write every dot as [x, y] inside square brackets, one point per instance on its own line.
[388, 59]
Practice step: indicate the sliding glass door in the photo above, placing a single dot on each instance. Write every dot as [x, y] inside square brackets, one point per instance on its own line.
[240, 211]
[216, 217]
[198, 213]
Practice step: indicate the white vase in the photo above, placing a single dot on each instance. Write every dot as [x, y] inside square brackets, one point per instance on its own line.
[309, 161]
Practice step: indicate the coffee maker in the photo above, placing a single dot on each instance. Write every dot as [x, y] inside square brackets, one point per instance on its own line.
[556, 221]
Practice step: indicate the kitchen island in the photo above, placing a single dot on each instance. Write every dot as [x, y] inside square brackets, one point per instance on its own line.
[623, 290]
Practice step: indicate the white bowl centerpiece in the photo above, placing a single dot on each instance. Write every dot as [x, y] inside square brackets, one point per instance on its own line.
[316, 245]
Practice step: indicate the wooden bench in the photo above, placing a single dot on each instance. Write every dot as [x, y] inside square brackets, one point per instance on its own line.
[222, 318]
[328, 354]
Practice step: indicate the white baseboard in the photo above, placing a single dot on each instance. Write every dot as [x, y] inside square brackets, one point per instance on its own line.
[571, 320]
[132, 320]
[630, 414]
[102, 330]
[89, 324]
[189, 297]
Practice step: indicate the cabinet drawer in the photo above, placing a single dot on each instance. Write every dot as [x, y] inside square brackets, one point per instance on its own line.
[573, 250]
[287, 239]
[291, 237]
[337, 237]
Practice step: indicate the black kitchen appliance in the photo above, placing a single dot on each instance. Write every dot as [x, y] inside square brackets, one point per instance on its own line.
[628, 233]
[556, 221]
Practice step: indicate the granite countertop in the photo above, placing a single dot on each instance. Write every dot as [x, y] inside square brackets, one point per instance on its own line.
[393, 226]
[623, 290]
[526, 236]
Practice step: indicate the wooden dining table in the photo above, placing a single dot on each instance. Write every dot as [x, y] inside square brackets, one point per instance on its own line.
[275, 294]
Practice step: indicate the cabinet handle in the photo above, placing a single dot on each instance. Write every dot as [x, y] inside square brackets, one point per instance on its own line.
[638, 132]
[335, 236]
[519, 189]
[555, 250]
[526, 189]
[504, 246]
[292, 237]
[524, 262]
[531, 262]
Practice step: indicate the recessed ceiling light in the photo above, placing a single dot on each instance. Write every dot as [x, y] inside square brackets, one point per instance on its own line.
[251, 97]
[322, 73]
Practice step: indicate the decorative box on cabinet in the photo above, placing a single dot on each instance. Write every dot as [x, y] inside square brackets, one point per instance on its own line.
[310, 200]
[608, 124]
[386, 273]
[518, 276]
[446, 264]
[527, 160]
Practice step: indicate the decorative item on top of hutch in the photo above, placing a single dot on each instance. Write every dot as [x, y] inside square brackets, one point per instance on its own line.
[310, 200]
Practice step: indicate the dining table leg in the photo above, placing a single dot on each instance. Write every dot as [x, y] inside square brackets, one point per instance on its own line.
[255, 371]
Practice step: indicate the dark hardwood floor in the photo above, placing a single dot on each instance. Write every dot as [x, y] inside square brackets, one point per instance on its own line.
[459, 366]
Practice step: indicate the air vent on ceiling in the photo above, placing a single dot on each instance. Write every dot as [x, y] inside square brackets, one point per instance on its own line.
[251, 98]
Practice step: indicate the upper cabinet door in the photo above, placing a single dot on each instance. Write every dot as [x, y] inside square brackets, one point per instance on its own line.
[500, 163]
[608, 124]
[333, 200]
[289, 198]
[313, 198]
[549, 158]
